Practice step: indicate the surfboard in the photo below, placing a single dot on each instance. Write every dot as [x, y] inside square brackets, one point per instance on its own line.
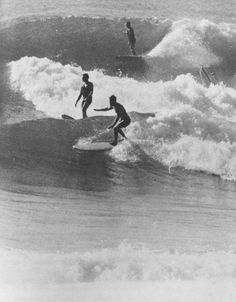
[129, 58]
[93, 147]
[67, 117]
[207, 76]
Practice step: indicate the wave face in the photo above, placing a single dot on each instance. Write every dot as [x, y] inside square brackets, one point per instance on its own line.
[88, 42]
[171, 48]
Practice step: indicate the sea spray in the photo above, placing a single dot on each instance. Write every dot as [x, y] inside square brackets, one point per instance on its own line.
[53, 87]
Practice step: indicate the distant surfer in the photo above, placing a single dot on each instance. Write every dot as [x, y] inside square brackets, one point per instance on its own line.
[131, 37]
[86, 92]
[122, 119]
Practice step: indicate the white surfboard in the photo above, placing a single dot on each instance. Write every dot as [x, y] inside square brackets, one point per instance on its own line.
[95, 147]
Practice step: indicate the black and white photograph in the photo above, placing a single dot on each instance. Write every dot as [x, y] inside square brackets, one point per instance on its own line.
[117, 151]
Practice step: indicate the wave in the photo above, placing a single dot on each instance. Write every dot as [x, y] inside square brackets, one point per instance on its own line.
[89, 42]
[53, 88]
[125, 263]
[169, 48]
[193, 127]
[191, 43]
[39, 153]
[125, 273]
[196, 42]
[45, 147]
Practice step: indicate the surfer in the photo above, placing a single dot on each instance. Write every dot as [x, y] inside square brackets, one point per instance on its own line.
[122, 119]
[131, 37]
[87, 92]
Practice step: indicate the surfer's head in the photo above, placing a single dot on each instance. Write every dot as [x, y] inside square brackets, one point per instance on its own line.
[128, 24]
[112, 100]
[85, 77]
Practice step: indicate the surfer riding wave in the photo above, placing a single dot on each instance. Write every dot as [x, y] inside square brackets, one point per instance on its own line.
[131, 37]
[122, 117]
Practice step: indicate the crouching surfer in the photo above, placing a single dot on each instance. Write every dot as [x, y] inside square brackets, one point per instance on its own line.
[122, 119]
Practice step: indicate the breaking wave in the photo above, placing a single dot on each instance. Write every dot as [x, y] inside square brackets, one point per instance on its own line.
[189, 124]
[193, 126]
[127, 263]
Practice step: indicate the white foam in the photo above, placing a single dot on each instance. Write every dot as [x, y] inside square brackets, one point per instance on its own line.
[196, 42]
[166, 291]
[126, 262]
[125, 273]
[53, 89]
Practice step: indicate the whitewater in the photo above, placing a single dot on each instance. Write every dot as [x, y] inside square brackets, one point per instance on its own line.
[154, 218]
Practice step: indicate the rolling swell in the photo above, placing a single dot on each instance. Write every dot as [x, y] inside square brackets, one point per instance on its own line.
[88, 42]
[39, 152]
[52, 137]
[46, 139]
[170, 48]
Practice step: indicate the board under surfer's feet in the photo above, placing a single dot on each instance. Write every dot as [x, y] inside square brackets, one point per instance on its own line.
[119, 140]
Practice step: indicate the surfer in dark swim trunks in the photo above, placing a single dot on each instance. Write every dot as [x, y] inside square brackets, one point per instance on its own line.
[131, 37]
[122, 120]
[87, 92]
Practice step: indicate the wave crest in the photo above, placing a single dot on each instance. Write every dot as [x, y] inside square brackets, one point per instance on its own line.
[197, 43]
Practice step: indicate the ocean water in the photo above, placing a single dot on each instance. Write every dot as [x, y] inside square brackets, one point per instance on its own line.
[152, 220]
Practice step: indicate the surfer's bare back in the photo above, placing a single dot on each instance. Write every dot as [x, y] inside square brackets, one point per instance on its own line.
[122, 118]
[87, 92]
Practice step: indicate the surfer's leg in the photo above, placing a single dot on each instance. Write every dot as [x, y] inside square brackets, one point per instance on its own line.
[132, 46]
[114, 143]
[85, 105]
[133, 52]
[118, 130]
[121, 133]
[83, 111]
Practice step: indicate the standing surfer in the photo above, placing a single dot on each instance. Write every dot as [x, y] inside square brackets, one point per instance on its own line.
[87, 92]
[131, 37]
[122, 117]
